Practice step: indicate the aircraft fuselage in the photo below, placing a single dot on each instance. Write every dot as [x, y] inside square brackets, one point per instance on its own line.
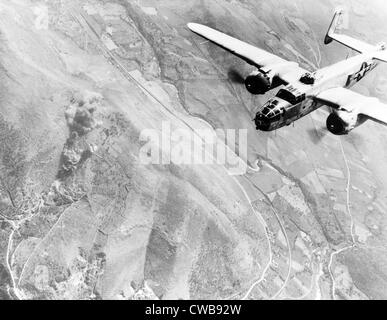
[296, 101]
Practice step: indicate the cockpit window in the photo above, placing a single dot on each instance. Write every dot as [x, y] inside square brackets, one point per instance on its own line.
[291, 95]
[265, 111]
[271, 111]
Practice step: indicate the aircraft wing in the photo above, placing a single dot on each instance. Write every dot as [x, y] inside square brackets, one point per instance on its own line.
[287, 71]
[347, 100]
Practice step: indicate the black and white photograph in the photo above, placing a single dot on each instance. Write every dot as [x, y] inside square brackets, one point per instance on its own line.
[209, 152]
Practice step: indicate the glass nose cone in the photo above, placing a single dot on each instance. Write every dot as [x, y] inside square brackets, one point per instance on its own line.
[262, 122]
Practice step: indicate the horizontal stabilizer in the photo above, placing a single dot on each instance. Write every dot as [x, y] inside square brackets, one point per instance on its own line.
[352, 43]
[336, 26]
[381, 56]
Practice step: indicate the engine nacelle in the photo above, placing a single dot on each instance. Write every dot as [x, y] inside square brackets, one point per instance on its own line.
[259, 82]
[343, 122]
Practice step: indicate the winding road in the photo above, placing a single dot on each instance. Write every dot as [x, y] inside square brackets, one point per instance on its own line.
[348, 205]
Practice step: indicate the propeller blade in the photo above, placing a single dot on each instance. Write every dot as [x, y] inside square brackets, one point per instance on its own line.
[235, 76]
[317, 135]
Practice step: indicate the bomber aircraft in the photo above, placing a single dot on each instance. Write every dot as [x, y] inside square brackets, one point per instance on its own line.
[304, 91]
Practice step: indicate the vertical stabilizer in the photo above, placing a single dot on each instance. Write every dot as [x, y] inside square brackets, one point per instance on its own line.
[336, 24]
[340, 22]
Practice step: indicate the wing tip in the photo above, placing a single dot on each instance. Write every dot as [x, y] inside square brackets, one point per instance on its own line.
[340, 9]
[193, 26]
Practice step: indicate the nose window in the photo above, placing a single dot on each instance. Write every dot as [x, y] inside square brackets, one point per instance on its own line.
[271, 109]
[276, 115]
[266, 111]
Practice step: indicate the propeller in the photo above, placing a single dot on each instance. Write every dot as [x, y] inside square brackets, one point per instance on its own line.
[235, 76]
[317, 134]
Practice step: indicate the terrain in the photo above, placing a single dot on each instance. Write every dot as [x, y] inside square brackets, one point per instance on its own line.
[81, 217]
